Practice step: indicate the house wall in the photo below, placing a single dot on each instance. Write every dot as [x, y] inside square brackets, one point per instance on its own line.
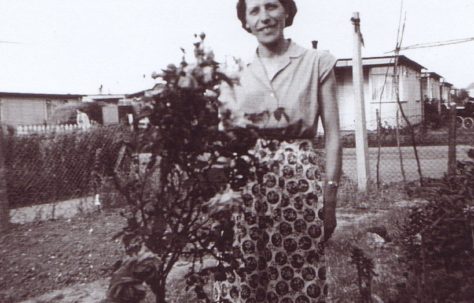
[17, 111]
[110, 114]
[445, 91]
[345, 97]
[380, 95]
[431, 87]
[410, 92]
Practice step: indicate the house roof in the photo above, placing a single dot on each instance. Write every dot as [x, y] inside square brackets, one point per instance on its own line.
[103, 97]
[143, 93]
[470, 86]
[34, 95]
[432, 75]
[137, 94]
[445, 83]
[380, 61]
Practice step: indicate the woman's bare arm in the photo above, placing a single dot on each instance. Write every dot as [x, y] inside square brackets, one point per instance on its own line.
[330, 120]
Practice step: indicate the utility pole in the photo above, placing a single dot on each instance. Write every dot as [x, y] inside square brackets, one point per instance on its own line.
[362, 150]
[4, 209]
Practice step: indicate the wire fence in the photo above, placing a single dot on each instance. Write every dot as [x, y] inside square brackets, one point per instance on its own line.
[56, 166]
[52, 167]
[393, 150]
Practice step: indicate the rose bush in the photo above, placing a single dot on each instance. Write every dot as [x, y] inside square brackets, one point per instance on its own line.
[178, 176]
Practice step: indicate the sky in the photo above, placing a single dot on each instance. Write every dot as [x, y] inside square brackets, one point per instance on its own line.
[65, 46]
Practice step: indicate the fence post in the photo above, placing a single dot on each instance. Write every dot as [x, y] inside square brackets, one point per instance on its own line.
[379, 147]
[4, 208]
[362, 150]
[452, 139]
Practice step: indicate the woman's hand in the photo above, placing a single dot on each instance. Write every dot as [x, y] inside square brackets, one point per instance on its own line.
[330, 223]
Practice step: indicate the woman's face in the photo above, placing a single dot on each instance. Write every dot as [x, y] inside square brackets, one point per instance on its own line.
[266, 20]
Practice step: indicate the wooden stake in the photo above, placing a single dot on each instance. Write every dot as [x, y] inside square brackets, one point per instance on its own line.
[362, 151]
[452, 137]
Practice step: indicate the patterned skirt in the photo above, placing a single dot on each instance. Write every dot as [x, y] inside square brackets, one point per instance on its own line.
[278, 234]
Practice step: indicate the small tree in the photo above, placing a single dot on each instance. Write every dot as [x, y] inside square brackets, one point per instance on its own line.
[168, 176]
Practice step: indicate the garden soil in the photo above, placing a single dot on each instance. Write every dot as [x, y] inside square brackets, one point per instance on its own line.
[39, 257]
[70, 260]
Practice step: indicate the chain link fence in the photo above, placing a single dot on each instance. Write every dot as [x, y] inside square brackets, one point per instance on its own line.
[393, 150]
[52, 167]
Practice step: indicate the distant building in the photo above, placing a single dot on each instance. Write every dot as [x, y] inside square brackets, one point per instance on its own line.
[446, 89]
[110, 104]
[379, 91]
[470, 90]
[148, 93]
[431, 86]
[18, 109]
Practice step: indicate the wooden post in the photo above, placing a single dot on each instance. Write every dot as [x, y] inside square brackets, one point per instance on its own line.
[4, 208]
[362, 151]
[452, 137]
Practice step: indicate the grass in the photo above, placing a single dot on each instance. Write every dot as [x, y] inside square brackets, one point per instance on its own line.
[373, 199]
[388, 270]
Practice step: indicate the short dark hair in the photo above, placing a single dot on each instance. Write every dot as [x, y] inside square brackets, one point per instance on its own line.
[289, 5]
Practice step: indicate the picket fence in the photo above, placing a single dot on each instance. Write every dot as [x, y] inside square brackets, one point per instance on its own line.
[39, 129]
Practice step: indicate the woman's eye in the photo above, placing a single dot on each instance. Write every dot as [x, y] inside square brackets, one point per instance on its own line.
[272, 6]
[253, 11]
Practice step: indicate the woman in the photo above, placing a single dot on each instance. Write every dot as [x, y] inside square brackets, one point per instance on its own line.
[280, 234]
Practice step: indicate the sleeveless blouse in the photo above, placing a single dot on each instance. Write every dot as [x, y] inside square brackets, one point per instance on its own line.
[288, 103]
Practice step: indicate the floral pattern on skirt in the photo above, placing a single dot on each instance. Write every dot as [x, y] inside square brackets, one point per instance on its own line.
[278, 234]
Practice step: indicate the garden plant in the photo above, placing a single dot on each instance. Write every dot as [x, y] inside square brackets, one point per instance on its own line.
[173, 176]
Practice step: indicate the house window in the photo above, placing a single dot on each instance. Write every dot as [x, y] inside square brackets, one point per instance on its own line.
[383, 88]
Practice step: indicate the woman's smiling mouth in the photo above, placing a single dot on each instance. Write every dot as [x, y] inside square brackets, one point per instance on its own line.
[267, 28]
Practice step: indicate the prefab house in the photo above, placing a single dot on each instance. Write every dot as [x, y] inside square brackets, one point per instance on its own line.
[109, 104]
[431, 86]
[18, 109]
[446, 88]
[380, 91]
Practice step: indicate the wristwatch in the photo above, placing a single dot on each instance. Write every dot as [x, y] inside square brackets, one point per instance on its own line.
[332, 184]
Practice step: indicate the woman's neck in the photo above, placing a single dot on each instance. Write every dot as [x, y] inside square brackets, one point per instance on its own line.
[273, 50]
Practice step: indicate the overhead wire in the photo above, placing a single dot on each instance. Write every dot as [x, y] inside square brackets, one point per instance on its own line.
[433, 44]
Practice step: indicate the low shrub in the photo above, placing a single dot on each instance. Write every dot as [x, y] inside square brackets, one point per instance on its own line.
[45, 168]
[438, 238]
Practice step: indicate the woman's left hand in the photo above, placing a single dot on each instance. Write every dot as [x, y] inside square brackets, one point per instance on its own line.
[330, 222]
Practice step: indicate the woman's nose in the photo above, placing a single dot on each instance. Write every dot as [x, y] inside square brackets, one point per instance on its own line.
[264, 16]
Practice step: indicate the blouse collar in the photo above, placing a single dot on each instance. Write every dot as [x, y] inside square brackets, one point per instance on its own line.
[294, 51]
